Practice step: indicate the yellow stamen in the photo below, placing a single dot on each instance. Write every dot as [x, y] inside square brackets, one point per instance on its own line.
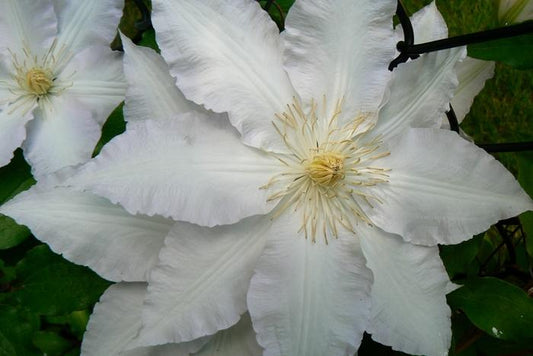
[38, 81]
[326, 169]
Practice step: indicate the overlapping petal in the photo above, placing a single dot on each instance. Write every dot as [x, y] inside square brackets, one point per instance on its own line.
[237, 340]
[428, 24]
[12, 130]
[151, 93]
[115, 323]
[94, 80]
[420, 93]
[27, 23]
[227, 56]
[443, 189]
[60, 135]
[334, 47]
[90, 231]
[84, 23]
[309, 299]
[193, 168]
[472, 74]
[200, 283]
[409, 310]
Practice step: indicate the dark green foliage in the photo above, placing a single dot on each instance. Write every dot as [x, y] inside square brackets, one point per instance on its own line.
[499, 308]
[115, 125]
[516, 51]
[49, 285]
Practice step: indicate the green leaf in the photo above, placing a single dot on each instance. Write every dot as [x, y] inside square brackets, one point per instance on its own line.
[6, 348]
[499, 308]
[515, 51]
[17, 327]
[278, 10]
[11, 233]
[148, 40]
[49, 284]
[78, 322]
[525, 178]
[51, 343]
[458, 258]
[114, 125]
[15, 177]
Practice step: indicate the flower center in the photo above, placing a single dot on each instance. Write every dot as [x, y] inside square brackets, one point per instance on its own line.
[326, 169]
[39, 81]
[36, 76]
[329, 171]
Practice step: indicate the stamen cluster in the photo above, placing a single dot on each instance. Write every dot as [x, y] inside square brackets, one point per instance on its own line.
[329, 170]
[35, 76]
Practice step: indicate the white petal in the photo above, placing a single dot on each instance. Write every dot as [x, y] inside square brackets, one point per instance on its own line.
[420, 93]
[152, 93]
[84, 23]
[200, 283]
[472, 74]
[239, 340]
[61, 135]
[409, 310]
[227, 55]
[443, 189]
[12, 131]
[428, 24]
[309, 299]
[95, 80]
[340, 49]
[91, 231]
[115, 322]
[192, 168]
[27, 23]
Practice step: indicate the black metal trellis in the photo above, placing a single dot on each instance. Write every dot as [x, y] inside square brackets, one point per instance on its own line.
[409, 50]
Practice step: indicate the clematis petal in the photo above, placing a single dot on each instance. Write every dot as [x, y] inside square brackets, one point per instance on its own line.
[431, 81]
[443, 189]
[239, 340]
[200, 283]
[27, 23]
[472, 74]
[334, 47]
[227, 56]
[409, 310]
[192, 168]
[151, 92]
[12, 130]
[309, 299]
[84, 23]
[60, 135]
[95, 80]
[115, 322]
[115, 244]
[428, 24]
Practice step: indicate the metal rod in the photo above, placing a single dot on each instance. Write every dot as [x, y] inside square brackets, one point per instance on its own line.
[476, 37]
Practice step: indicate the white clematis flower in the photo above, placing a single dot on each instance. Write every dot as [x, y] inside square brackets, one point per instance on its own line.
[317, 207]
[117, 245]
[59, 80]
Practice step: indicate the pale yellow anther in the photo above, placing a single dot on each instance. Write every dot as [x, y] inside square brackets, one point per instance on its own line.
[38, 81]
[326, 169]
